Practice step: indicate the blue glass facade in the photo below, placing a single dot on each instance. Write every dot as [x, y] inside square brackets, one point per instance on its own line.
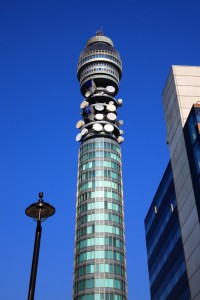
[100, 259]
[192, 140]
[166, 261]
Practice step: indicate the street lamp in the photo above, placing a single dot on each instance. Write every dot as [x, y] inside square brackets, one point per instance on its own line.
[39, 211]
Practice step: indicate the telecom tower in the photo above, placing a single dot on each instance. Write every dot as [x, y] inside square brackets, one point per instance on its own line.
[99, 258]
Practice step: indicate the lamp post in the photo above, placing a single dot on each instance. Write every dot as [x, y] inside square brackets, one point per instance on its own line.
[39, 211]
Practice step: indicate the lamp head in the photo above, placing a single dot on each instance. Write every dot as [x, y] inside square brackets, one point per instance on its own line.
[40, 210]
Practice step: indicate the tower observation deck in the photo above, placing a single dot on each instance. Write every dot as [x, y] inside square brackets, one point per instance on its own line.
[99, 256]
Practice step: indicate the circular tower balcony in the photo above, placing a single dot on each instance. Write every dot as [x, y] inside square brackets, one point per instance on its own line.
[99, 64]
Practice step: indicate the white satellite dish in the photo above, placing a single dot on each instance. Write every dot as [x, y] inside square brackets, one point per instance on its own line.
[110, 89]
[80, 124]
[78, 137]
[120, 139]
[97, 127]
[99, 117]
[99, 107]
[87, 94]
[111, 108]
[120, 122]
[111, 116]
[119, 102]
[108, 128]
[84, 131]
[84, 104]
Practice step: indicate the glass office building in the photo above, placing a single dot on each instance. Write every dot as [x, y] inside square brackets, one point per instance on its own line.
[173, 237]
[166, 261]
[99, 256]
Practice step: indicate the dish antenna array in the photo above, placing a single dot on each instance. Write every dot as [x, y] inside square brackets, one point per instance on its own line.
[99, 71]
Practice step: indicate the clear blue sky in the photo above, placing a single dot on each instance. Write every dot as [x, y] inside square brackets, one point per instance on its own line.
[40, 42]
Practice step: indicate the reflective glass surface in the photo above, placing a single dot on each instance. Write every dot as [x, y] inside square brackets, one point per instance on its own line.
[166, 261]
[99, 240]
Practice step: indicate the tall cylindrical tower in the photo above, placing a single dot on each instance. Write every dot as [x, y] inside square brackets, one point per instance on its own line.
[99, 258]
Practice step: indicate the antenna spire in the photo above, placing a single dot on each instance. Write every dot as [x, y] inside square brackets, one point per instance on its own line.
[100, 32]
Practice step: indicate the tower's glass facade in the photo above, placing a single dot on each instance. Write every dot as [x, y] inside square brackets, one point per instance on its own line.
[99, 258]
